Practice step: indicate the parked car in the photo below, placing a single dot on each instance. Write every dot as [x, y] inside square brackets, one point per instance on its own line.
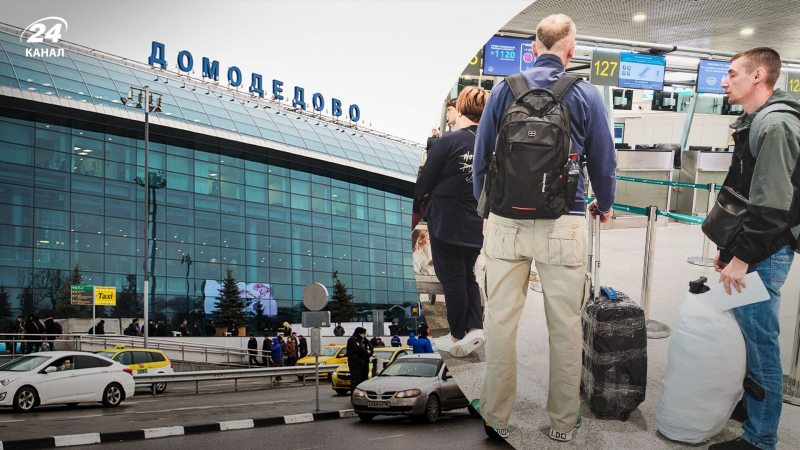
[331, 354]
[340, 382]
[142, 361]
[70, 378]
[414, 385]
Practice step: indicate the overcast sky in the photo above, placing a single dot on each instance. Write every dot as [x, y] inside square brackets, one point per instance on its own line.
[396, 59]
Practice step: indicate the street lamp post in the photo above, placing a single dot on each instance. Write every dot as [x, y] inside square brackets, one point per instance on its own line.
[146, 102]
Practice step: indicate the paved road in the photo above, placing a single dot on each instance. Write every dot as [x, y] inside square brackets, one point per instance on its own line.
[219, 402]
[454, 431]
[216, 402]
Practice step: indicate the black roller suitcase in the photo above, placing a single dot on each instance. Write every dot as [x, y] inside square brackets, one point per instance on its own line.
[614, 374]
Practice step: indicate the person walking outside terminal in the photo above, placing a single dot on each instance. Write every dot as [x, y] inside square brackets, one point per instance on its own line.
[196, 330]
[302, 346]
[291, 351]
[527, 223]
[266, 346]
[211, 329]
[411, 339]
[358, 353]
[277, 356]
[422, 344]
[767, 174]
[183, 328]
[252, 350]
[338, 330]
[455, 228]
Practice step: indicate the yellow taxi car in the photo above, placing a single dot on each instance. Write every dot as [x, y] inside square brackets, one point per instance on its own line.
[340, 382]
[331, 354]
[141, 361]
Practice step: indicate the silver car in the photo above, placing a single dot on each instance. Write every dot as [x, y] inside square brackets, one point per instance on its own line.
[414, 385]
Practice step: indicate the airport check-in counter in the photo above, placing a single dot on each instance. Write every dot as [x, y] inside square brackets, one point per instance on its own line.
[700, 167]
[651, 164]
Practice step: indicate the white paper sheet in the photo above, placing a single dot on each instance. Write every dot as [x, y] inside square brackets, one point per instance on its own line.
[720, 301]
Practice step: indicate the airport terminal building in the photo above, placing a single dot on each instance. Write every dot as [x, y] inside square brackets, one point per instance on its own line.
[281, 196]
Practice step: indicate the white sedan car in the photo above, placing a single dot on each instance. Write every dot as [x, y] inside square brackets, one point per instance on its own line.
[70, 378]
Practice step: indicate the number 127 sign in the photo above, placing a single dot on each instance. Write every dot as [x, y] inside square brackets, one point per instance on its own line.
[605, 68]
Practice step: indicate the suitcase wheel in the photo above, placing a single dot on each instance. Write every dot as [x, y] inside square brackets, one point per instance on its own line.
[624, 416]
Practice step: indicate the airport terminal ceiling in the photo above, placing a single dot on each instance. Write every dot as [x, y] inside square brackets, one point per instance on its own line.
[710, 24]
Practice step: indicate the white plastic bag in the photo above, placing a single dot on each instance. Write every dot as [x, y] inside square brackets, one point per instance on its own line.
[706, 367]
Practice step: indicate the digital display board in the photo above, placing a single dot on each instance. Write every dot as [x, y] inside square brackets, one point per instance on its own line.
[504, 56]
[710, 75]
[641, 71]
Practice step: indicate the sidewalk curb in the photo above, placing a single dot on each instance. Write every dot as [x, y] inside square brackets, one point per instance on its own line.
[174, 430]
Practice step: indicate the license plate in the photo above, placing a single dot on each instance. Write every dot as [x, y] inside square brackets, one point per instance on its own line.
[141, 371]
[377, 404]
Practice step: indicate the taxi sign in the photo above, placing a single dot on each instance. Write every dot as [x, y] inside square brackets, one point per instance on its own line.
[105, 296]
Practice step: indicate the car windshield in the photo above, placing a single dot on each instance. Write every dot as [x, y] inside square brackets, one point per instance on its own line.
[383, 355]
[106, 354]
[24, 364]
[329, 351]
[425, 368]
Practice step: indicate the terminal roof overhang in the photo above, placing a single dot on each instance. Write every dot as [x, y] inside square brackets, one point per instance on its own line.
[84, 84]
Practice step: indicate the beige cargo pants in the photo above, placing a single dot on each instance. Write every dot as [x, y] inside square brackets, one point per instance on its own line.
[559, 248]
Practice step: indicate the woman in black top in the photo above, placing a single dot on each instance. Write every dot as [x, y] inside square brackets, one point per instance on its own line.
[455, 229]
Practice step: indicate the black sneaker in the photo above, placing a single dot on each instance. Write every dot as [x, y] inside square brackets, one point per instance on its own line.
[739, 413]
[736, 444]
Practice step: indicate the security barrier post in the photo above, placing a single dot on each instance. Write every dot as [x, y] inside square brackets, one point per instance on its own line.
[704, 259]
[791, 382]
[655, 330]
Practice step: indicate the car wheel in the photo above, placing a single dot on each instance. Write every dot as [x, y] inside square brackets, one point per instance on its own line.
[161, 388]
[432, 409]
[112, 395]
[25, 400]
[366, 417]
[472, 411]
[342, 391]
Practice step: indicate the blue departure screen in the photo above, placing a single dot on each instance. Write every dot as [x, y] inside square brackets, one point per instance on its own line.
[710, 75]
[641, 71]
[504, 56]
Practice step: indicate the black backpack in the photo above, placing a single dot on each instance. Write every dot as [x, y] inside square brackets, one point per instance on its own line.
[529, 170]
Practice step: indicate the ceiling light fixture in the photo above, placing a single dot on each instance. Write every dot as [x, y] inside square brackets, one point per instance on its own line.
[746, 31]
[639, 17]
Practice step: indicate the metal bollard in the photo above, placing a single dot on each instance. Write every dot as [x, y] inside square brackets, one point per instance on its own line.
[655, 330]
[791, 382]
[704, 259]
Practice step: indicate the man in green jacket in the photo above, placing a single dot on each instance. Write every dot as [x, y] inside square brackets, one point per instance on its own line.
[768, 174]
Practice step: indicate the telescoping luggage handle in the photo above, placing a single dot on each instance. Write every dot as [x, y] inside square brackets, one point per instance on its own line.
[594, 260]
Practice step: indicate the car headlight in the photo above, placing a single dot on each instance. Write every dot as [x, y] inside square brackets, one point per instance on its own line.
[408, 394]
[7, 381]
[322, 364]
[359, 393]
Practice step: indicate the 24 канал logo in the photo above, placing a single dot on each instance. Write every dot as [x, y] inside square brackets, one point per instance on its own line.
[47, 29]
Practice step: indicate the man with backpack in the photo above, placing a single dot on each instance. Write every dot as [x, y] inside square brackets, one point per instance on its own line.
[765, 170]
[530, 151]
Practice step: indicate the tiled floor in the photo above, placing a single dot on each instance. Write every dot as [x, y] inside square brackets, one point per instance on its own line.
[622, 260]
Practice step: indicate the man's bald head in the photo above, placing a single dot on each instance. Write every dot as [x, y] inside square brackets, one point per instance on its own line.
[556, 34]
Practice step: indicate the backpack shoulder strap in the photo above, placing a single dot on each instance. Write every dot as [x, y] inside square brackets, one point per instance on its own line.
[563, 84]
[783, 107]
[517, 84]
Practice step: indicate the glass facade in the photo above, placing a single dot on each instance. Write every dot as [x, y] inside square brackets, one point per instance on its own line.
[68, 195]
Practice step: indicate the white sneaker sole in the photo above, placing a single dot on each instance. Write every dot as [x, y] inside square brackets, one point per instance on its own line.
[462, 350]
